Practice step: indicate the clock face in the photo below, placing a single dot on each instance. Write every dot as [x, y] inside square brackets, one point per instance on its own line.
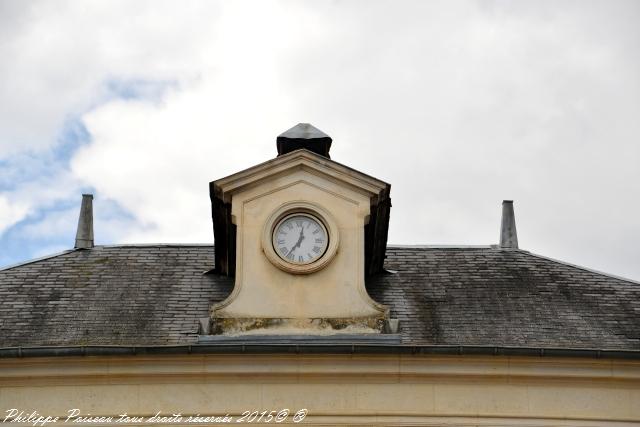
[300, 238]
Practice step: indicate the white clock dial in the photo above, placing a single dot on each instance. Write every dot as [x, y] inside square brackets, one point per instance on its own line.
[300, 238]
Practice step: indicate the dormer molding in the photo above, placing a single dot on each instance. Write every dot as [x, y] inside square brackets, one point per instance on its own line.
[300, 159]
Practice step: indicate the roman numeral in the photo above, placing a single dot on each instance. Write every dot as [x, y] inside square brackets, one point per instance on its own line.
[317, 230]
[281, 241]
[290, 226]
[290, 256]
[299, 224]
[316, 249]
[283, 250]
[300, 259]
[319, 240]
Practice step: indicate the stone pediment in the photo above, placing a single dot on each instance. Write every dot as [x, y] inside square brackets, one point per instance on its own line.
[302, 160]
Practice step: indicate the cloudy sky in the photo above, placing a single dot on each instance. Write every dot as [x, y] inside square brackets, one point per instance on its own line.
[457, 104]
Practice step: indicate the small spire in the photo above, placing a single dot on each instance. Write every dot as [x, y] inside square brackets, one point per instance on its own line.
[84, 235]
[508, 234]
[304, 135]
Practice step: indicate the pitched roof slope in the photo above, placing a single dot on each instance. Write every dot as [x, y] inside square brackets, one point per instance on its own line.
[120, 295]
[153, 295]
[487, 296]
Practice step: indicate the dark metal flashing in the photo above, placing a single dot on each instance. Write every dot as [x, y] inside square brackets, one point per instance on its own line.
[363, 349]
[304, 136]
[335, 339]
[224, 235]
[376, 232]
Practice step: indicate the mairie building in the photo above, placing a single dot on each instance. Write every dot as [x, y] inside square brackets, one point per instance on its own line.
[303, 314]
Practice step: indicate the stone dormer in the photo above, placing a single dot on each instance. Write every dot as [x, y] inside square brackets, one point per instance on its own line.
[299, 226]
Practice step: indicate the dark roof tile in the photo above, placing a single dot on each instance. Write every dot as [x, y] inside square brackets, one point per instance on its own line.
[153, 295]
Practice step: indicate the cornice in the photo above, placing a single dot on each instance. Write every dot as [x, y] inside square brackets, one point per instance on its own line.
[299, 159]
[309, 367]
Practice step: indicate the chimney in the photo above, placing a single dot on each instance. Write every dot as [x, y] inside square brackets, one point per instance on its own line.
[304, 135]
[84, 235]
[508, 234]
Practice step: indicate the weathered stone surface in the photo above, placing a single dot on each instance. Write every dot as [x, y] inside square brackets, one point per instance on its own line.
[84, 233]
[508, 233]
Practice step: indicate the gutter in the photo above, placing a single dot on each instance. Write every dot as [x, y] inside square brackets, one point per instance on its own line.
[353, 349]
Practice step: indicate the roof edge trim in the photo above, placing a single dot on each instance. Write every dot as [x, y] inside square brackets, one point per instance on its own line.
[157, 245]
[590, 270]
[394, 246]
[20, 264]
[23, 352]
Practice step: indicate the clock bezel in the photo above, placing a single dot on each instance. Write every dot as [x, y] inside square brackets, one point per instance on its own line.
[311, 217]
[306, 208]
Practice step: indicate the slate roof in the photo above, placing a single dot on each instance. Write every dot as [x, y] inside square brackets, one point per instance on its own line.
[153, 295]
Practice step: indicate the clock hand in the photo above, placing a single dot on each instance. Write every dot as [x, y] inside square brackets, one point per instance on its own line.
[297, 245]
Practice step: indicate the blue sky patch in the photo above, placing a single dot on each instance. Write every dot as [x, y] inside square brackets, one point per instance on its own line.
[50, 225]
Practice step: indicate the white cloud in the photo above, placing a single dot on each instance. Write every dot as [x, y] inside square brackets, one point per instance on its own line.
[157, 158]
[57, 57]
[56, 223]
[38, 193]
[458, 105]
[10, 212]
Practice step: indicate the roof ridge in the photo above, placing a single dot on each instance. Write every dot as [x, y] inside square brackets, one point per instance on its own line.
[42, 258]
[590, 270]
[148, 245]
[394, 246]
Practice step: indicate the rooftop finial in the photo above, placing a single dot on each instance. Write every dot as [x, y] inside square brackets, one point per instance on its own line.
[84, 235]
[508, 234]
[304, 135]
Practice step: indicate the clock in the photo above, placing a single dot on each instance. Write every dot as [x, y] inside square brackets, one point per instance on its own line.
[300, 238]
